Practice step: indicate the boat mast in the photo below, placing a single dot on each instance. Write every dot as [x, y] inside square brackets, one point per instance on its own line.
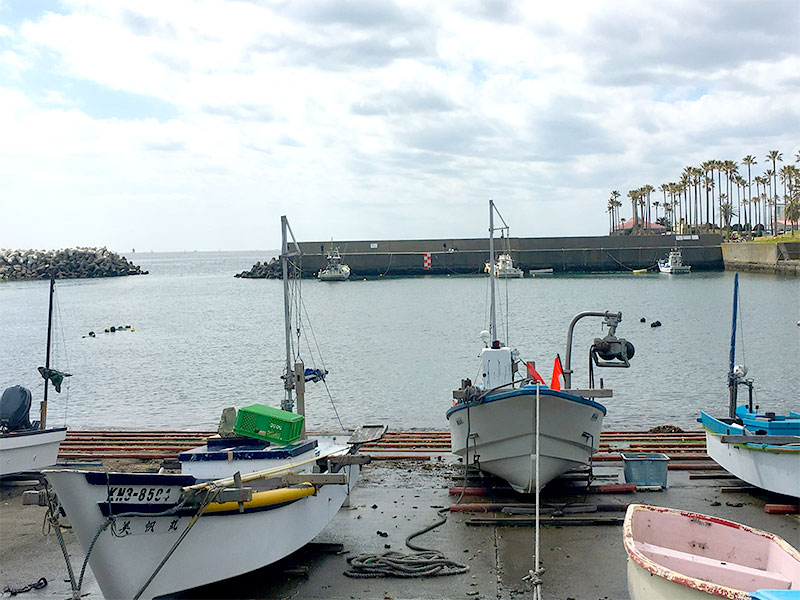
[492, 315]
[43, 406]
[731, 377]
[287, 402]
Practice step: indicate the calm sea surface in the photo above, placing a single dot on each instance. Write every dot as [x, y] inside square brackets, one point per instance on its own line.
[395, 348]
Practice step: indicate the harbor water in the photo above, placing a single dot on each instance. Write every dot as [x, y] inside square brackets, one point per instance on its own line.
[202, 340]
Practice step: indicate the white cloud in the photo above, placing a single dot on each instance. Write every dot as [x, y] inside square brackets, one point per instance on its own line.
[381, 119]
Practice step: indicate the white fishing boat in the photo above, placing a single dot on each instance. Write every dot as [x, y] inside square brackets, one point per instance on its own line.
[680, 555]
[25, 446]
[761, 448]
[29, 449]
[335, 269]
[237, 505]
[503, 267]
[493, 424]
[674, 263]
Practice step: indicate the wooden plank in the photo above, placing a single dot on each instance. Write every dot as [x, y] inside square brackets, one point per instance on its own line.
[782, 509]
[712, 476]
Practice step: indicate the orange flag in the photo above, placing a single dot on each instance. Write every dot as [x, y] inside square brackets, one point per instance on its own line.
[533, 373]
[558, 374]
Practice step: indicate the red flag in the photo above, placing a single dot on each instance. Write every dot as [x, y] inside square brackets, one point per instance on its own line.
[558, 374]
[533, 373]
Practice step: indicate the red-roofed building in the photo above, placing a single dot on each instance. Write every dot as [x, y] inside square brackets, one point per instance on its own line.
[628, 225]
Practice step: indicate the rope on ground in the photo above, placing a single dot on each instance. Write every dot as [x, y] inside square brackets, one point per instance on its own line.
[423, 563]
[11, 591]
[396, 564]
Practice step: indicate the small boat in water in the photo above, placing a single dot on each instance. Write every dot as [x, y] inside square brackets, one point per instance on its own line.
[25, 446]
[674, 263]
[238, 504]
[503, 267]
[676, 554]
[335, 269]
[493, 424]
[761, 448]
[540, 272]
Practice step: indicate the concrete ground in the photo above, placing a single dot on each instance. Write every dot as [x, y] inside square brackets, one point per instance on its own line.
[396, 499]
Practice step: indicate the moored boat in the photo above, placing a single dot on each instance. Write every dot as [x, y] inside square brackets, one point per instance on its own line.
[335, 269]
[674, 263]
[676, 555]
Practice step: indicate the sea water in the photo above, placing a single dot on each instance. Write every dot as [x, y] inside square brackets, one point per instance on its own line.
[395, 348]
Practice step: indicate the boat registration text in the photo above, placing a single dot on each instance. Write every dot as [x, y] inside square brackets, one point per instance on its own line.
[143, 494]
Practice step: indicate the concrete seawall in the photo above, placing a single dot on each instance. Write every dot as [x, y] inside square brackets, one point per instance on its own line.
[564, 255]
[783, 258]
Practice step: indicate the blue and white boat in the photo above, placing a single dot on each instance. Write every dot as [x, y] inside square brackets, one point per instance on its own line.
[493, 425]
[761, 448]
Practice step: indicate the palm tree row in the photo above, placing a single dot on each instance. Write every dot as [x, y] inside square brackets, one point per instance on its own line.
[699, 202]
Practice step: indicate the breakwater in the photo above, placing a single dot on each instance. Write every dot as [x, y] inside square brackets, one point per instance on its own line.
[780, 257]
[596, 254]
[69, 263]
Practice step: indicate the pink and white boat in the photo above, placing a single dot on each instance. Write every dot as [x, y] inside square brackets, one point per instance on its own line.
[677, 554]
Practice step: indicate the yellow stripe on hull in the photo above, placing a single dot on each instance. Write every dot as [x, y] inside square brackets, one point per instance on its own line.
[268, 498]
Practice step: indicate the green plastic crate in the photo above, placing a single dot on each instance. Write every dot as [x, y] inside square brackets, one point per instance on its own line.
[269, 424]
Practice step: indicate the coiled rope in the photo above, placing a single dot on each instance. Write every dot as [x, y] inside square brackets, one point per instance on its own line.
[423, 563]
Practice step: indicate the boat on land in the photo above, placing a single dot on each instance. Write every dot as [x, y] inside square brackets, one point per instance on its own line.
[25, 446]
[673, 265]
[493, 424]
[335, 269]
[761, 448]
[238, 504]
[681, 555]
[540, 272]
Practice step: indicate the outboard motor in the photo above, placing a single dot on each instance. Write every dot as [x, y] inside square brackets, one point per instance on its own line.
[15, 405]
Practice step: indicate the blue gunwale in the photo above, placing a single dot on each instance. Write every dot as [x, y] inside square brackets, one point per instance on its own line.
[719, 428]
[528, 390]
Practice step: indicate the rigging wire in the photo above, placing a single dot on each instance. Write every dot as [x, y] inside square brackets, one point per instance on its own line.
[322, 362]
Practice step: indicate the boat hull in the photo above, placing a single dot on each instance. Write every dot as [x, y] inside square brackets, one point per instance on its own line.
[772, 468]
[676, 555]
[502, 434]
[220, 545]
[644, 585]
[333, 275]
[674, 270]
[29, 450]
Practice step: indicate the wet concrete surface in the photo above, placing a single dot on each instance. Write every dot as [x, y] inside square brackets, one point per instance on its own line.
[397, 498]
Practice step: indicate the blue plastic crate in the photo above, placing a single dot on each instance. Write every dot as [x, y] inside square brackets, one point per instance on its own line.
[645, 468]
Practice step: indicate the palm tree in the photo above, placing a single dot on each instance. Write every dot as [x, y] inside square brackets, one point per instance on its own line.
[740, 183]
[792, 211]
[749, 160]
[634, 197]
[648, 189]
[767, 183]
[614, 195]
[656, 204]
[731, 170]
[726, 209]
[774, 155]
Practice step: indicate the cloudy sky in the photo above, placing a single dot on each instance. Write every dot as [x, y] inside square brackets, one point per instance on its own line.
[195, 124]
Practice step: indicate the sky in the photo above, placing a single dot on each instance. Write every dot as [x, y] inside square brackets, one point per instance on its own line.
[193, 125]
